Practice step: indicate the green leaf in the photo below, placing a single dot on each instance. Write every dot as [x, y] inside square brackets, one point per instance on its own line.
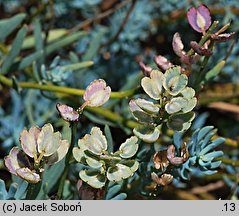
[94, 45]
[21, 189]
[77, 66]
[132, 164]
[3, 191]
[93, 178]
[143, 117]
[56, 45]
[39, 43]
[109, 139]
[147, 133]
[7, 26]
[37, 36]
[180, 121]
[15, 49]
[215, 71]
[51, 177]
[53, 35]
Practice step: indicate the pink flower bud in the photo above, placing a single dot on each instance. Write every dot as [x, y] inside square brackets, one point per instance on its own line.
[162, 63]
[146, 69]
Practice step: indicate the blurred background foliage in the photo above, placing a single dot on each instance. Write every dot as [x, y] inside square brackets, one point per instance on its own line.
[55, 42]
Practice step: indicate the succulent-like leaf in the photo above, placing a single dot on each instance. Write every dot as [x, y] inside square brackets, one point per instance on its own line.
[67, 112]
[174, 81]
[93, 178]
[188, 92]
[60, 153]
[94, 163]
[119, 172]
[28, 175]
[96, 142]
[139, 114]
[28, 141]
[176, 105]
[178, 45]
[97, 93]
[180, 121]
[129, 147]
[153, 85]
[48, 142]
[132, 164]
[78, 154]
[16, 160]
[147, 106]
[147, 133]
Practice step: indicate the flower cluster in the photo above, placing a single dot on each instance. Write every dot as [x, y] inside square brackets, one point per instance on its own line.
[103, 165]
[175, 102]
[43, 145]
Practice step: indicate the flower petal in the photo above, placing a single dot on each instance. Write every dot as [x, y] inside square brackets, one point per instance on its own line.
[67, 112]
[48, 141]
[28, 140]
[16, 160]
[28, 175]
[97, 93]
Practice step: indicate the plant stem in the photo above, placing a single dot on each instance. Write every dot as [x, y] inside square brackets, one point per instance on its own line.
[229, 161]
[67, 160]
[205, 37]
[61, 89]
[33, 190]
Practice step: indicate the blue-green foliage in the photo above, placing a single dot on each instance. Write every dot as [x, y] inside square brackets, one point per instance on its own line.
[56, 73]
[12, 121]
[202, 153]
[16, 190]
[113, 192]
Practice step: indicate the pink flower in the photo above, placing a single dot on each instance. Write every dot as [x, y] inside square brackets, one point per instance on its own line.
[199, 18]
